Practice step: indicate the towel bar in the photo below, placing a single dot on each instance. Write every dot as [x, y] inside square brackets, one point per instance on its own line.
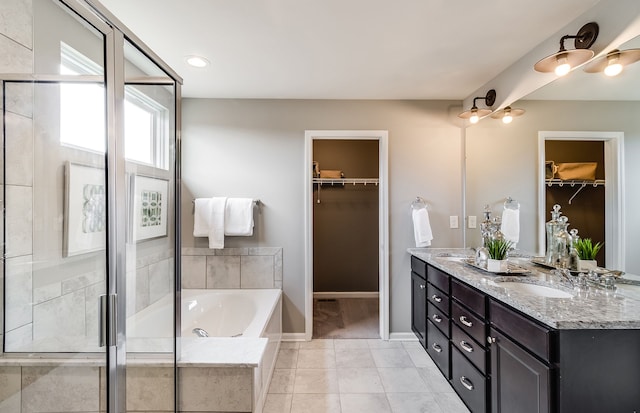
[256, 202]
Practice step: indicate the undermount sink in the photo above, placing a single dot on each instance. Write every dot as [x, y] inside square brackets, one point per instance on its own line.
[534, 289]
[452, 257]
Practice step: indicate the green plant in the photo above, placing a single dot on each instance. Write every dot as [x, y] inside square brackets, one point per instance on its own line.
[498, 248]
[586, 249]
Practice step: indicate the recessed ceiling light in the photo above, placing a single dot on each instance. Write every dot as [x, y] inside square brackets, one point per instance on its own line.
[197, 61]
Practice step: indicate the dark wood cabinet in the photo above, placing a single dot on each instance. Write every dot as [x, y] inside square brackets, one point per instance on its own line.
[419, 307]
[519, 381]
[501, 360]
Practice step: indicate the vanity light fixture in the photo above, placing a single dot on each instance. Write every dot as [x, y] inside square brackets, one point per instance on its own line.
[197, 61]
[474, 114]
[614, 62]
[507, 114]
[564, 60]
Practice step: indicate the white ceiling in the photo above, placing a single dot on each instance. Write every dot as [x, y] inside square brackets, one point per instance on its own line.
[343, 49]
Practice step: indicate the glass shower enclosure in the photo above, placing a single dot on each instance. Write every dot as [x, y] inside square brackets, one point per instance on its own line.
[89, 178]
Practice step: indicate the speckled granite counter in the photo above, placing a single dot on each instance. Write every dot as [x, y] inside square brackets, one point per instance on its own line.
[592, 309]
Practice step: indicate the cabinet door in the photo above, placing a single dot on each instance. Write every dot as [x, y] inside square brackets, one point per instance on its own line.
[419, 307]
[519, 382]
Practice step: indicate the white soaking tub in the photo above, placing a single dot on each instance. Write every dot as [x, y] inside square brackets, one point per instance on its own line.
[230, 370]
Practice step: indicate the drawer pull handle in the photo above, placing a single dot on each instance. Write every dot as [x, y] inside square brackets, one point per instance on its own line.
[466, 346]
[465, 321]
[436, 318]
[436, 298]
[491, 339]
[436, 347]
[422, 287]
[466, 383]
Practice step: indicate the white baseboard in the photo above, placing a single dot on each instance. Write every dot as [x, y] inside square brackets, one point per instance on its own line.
[347, 294]
[402, 337]
[294, 337]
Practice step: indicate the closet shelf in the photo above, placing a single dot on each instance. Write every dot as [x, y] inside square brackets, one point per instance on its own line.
[574, 182]
[343, 181]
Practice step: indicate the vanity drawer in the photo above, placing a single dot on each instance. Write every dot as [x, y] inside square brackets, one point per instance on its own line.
[438, 319]
[469, 322]
[472, 299]
[537, 338]
[438, 348]
[468, 382]
[419, 267]
[438, 278]
[438, 298]
[467, 346]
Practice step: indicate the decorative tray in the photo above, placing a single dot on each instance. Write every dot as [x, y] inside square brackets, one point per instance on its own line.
[513, 269]
[541, 262]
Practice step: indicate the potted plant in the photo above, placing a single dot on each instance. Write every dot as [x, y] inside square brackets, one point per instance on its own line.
[587, 252]
[498, 249]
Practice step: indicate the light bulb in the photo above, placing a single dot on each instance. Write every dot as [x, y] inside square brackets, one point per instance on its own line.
[563, 66]
[474, 117]
[507, 118]
[613, 66]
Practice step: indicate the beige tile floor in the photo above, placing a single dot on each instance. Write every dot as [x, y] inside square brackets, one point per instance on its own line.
[358, 376]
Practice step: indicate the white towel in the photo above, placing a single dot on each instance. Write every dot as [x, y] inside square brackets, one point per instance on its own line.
[238, 217]
[201, 214]
[208, 220]
[421, 227]
[510, 226]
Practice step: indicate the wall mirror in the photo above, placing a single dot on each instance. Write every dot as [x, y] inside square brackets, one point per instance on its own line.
[502, 160]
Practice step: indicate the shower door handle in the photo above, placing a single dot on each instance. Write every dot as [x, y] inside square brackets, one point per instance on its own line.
[102, 320]
[107, 320]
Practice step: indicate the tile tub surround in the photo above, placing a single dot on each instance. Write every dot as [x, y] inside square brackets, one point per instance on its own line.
[215, 375]
[232, 268]
[596, 310]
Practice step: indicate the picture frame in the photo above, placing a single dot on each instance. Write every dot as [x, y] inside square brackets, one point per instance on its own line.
[149, 208]
[85, 209]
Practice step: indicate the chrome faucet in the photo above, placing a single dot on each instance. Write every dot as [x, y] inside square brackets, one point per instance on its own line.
[200, 332]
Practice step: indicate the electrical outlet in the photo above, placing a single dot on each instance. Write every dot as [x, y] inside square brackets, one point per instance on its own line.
[472, 221]
[453, 221]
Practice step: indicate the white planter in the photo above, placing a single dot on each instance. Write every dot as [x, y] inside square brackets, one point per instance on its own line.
[586, 265]
[497, 265]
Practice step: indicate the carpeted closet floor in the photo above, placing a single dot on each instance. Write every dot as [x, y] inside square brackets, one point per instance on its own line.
[346, 318]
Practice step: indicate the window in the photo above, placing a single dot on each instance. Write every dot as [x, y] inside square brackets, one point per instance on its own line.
[82, 115]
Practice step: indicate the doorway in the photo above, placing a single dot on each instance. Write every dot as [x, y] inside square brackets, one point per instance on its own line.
[319, 188]
[587, 203]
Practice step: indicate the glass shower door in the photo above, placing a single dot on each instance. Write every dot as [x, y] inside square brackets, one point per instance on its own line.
[88, 222]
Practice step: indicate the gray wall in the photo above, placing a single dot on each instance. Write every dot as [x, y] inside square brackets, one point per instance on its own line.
[255, 148]
[502, 160]
[345, 221]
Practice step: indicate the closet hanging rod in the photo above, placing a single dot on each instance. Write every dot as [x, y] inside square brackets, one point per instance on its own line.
[343, 181]
[256, 202]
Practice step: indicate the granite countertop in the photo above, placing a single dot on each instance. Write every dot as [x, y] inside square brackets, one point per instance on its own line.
[594, 308]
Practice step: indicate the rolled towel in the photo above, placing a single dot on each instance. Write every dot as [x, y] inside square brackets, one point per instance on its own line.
[510, 226]
[421, 227]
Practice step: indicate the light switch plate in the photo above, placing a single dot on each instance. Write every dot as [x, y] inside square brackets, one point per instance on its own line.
[472, 221]
[453, 221]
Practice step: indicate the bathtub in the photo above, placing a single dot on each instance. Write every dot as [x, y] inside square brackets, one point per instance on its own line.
[231, 369]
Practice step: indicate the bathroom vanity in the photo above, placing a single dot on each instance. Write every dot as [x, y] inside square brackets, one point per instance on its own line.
[526, 343]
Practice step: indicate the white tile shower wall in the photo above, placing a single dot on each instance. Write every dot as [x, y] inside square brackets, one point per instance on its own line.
[232, 268]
